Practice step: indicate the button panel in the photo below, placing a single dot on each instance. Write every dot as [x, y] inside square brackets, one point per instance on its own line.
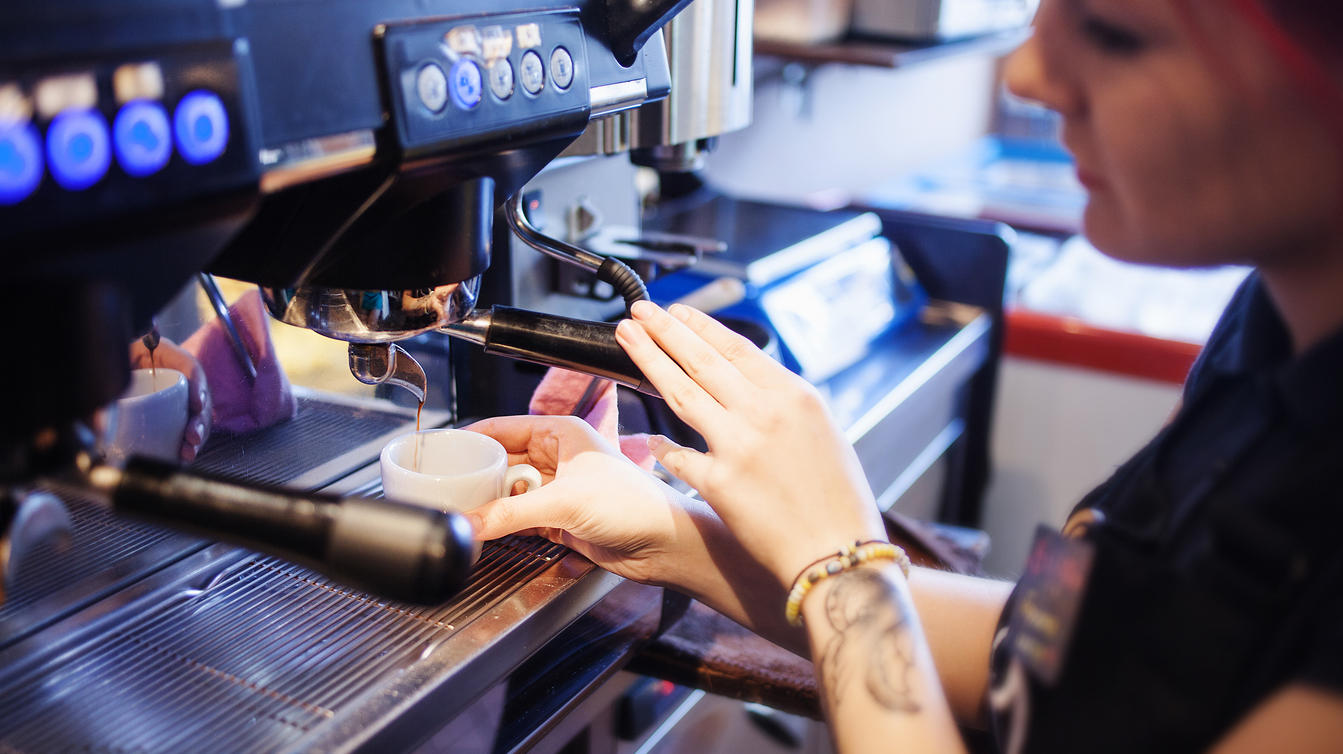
[94, 139]
[485, 61]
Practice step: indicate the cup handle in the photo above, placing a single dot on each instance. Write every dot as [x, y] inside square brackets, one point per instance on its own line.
[521, 473]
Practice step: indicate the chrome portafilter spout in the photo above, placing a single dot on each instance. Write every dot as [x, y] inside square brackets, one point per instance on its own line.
[388, 364]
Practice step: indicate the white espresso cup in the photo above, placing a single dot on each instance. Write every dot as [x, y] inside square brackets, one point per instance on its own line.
[458, 470]
[149, 418]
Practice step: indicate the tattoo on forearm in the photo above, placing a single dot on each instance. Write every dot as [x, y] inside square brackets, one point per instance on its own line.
[872, 638]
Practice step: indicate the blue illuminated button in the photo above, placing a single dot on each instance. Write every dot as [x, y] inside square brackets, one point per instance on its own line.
[141, 138]
[466, 84]
[201, 127]
[20, 161]
[78, 148]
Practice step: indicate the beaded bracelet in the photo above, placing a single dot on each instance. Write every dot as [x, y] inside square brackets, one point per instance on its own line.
[849, 556]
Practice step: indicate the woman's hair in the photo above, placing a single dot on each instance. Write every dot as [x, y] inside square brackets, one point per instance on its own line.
[1303, 36]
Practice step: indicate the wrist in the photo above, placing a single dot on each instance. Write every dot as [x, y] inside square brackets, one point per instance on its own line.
[849, 558]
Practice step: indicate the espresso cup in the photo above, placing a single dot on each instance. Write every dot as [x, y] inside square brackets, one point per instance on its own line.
[458, 470]
[149, 418]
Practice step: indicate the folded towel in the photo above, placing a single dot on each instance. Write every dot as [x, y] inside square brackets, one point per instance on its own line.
[242, 404]
[566, 393]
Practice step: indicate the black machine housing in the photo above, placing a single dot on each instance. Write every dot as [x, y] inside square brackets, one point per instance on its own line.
[334, 172]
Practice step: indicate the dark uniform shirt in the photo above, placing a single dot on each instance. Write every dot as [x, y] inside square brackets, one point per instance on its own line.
[1215, 561]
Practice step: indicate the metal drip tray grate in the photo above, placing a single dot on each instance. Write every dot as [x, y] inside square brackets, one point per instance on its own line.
[103, 553]
[252, 662]
[326, 438]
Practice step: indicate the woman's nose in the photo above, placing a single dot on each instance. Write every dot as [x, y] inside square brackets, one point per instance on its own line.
[1023, 72]
[1033, 71]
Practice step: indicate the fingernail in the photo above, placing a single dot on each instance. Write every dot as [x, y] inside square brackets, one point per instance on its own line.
[625, 329]
[475, 520]
[643, 309]
[680, 311]
[655, 442]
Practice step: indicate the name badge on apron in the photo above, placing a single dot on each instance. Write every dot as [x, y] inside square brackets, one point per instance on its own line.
[1049, 597]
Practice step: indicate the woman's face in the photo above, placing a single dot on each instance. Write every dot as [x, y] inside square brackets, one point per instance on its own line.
[1193, 142]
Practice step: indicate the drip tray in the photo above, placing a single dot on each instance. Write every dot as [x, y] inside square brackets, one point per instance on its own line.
[254, 661]
[220, 649]
[328, 439]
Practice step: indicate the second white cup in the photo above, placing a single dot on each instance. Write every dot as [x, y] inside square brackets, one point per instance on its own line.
[458, 470]
[150, 417]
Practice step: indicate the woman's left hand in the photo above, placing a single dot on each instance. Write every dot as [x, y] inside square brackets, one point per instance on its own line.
[169, 355]
[595, 501]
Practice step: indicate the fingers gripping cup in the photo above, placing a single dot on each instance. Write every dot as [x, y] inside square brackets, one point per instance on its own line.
[150, 417]
[450, 470]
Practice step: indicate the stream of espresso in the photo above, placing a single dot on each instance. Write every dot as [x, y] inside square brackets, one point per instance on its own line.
[419, 438]
[153, 366]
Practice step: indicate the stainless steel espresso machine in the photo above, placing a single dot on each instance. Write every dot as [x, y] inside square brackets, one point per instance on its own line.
[341, 155]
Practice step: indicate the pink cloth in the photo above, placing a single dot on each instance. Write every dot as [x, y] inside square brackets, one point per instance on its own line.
[241, 404]
[561, 390]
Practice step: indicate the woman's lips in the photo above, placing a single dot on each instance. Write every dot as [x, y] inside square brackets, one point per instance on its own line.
[1089, 179]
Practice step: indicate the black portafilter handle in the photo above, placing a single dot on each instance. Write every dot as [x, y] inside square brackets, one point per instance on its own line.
[394, 550]
[552, 340]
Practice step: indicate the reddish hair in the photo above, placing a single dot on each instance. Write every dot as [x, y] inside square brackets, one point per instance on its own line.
[1302, 35]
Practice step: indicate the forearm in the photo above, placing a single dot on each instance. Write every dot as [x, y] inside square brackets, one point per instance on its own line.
[732, 583]
[878, 681]
[959, 613]
[960, 616]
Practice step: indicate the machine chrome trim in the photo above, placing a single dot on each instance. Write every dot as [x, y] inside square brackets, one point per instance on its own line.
[612, 98]
[371, 316]
[312, 159]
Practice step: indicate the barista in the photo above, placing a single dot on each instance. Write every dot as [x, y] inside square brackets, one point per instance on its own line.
[1195, 599]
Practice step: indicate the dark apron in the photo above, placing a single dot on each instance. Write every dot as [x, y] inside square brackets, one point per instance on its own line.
[1169, 648]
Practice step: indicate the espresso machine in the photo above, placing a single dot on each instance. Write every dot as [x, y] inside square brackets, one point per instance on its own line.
[348, 157]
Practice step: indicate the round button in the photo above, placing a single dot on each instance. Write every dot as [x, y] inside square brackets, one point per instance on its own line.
[561, 68]
[501, 79]
[431, 85]
[201, 127]
[20, 161]
[466, 84]
[142, 138]
[532, 73]
[78, 149]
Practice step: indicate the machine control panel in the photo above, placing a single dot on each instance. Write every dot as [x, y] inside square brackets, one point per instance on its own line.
[116, 134]
[457, 81]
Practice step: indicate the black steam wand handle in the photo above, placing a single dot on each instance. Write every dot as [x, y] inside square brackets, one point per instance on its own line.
[398, 551]
[552, 340]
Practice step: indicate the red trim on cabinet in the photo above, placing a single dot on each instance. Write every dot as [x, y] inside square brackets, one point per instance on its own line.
[1070, 341]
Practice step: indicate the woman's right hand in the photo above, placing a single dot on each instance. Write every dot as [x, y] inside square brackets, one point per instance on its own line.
[778, 471]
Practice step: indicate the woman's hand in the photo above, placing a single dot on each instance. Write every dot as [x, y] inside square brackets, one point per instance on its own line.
[169, 355]
[595, 501]
[778, 471]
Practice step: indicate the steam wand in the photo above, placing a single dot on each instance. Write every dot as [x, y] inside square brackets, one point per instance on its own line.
[551, 340]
